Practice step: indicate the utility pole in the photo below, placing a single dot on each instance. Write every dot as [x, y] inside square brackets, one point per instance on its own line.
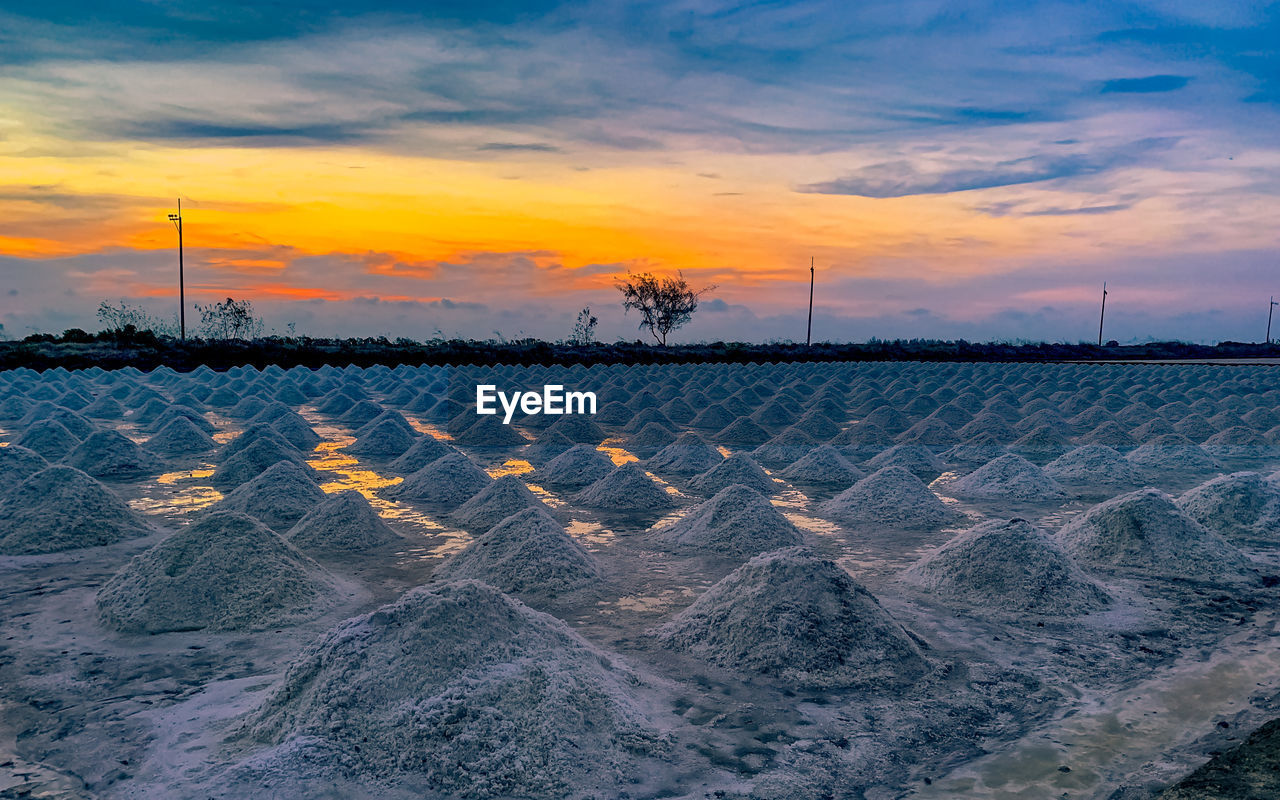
[808, 336]
[1103, 315]
[182, 289]
[1270, 310]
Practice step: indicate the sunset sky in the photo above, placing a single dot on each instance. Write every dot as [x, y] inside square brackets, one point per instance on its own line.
[956, 169]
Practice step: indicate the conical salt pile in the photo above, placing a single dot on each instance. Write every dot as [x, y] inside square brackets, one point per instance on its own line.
[61, 508]
[736, 469]
[1093, 464]
[1009, 477]
[1009, 566]
[1243, 505]
[448, 481]
[424, 450]
[823, 466]
[18, 463]
[891, 496]
[111, 455]
[1145, 532]
[687, 455]
[490, 700]
[579, 466]
[626, 488]
[528, 553]
[385, 440]
[49, 438]
[225, 572]
[738, 522]
[495, 502]
[278, 498]
[342, 523]
[800, 620]
[181, 438]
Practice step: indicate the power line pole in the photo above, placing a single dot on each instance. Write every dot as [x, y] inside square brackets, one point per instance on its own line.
[1270, 310]
[808, 336]
[1103, 315]
[182, 289]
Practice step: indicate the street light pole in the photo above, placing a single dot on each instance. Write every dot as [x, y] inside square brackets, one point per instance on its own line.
[182, 290]
[1270, 310]
[808, 336]
[1102, 316]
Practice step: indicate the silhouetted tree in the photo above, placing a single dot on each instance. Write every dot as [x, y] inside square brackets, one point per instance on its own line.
[584, 330]
[230, 319]
[664, 303]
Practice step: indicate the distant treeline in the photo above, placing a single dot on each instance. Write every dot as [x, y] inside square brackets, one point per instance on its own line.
[145, 351]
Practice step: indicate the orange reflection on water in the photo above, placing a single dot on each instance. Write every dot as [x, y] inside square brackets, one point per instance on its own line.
[619, 455]
[170, 478]
[514, 466]
[430, 430]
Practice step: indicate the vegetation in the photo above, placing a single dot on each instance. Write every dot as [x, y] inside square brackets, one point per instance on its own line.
[664, 303]
[124, 319]
[229, 320]
[584, 330]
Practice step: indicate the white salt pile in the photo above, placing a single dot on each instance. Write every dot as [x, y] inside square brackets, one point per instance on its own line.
[979, 450]
[579, 466]
[651, 438]
[1007, 566]
[1243, 505]
[1172, 452]
[1146, 533]
[18, 463]
[687, 455]
[425, 450]
[448, 481]
[579, 429]
[49, 438]
[491, 699]
[1238, 442]
[296, 431]
[61, 508]
[736, 469]
[279, 497]
[548, 445]
[495, 502]
[738, 521]
[1094, 465]
[800, 620]
[251, 461]
[626, 488]
[225, 572]
[1009, 477]
[916, 458]
[385, 440]
[111, 455]
[784, 449]
[488, 431]
[891, 496]
[823, 466]
[343, 523]
[529, 554]
[181, 438]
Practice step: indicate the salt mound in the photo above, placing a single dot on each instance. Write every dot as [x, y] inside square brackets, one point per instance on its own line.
[1093, 464]
[626, 488]
[742, 432]
[296, 431]
[61, 508]
[784, 449]
[1243, 505]
[490, 699]
[500, 499]
[386, 439]
[799, 619]
[651, 438]
[736, 469]
[916, 458]
[527, 553]
[450, 481]
[108, 454]
[579, 429]
[225, 572]
[279, 497]
[1238, 442]
[688, 455]
[979, 450]
[488, 431]
[891, 496]
[1145, 532]
[343, 523]
[1009, 566]
[260, 456]
[576, 467]
[1172, 452]
[49, 438]
[824, 465]
[18, 463]
[425, 450]
[1009, 477]
[179, 438]
[738, 521]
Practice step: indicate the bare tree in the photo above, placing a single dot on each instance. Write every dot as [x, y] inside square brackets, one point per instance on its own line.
[584, 330]
[230, 319]
[664, 303]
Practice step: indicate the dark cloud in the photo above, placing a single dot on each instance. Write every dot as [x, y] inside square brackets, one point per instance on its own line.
[1147, 85]
[535, 147]
[903, 178]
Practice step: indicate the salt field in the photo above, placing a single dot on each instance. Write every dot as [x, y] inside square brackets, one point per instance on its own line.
[765, 581]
